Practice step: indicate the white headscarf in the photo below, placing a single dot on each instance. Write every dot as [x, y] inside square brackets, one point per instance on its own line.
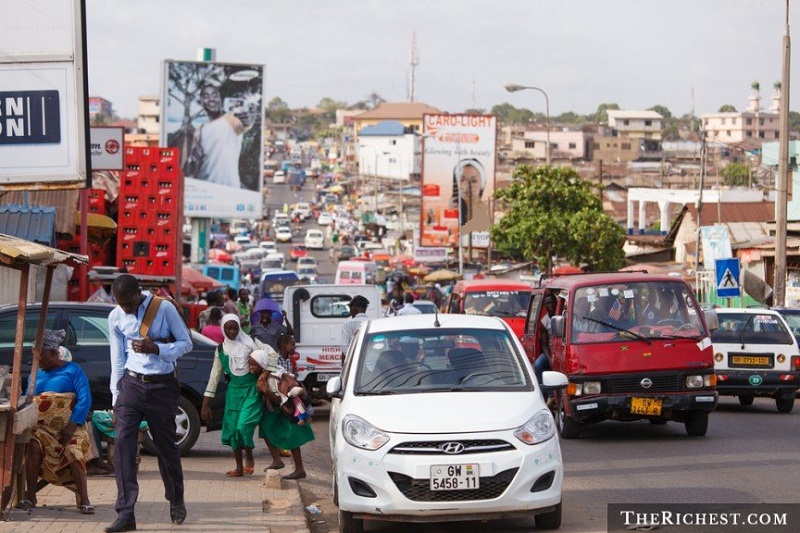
[266, 360]
[238, 349]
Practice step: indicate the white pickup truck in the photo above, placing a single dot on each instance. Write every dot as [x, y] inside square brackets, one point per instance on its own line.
[317, 314]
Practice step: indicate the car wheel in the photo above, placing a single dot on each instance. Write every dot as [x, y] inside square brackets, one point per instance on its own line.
[745, 400]
[550, 519]
[349, 524]
[568, 428]
[187, 425]
[697, 424]
[785, 404]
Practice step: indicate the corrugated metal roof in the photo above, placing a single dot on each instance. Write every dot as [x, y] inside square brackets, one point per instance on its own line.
[65, 202]
[32, 223]
[735, 212]
[384, 128]
[398, 111]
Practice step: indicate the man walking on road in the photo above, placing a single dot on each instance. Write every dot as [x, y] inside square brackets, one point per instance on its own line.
[358, 313]
[146, 337]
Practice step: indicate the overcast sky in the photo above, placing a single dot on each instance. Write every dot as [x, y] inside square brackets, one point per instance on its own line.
[683, 54]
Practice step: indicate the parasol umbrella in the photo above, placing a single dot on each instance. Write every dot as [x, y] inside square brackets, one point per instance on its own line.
[219, 255]
[336, 189]
[405, 260]
[198, 281]
[442, 275]
[264, 304]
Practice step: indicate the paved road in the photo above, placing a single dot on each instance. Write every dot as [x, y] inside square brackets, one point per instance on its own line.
[750, 455]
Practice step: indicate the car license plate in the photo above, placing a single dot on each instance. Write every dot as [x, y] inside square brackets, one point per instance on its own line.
[325, 377]
[749, 360]
[455, 477]
[646, 406]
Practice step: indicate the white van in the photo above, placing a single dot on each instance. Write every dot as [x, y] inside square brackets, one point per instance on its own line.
[317, 314]
[315, 240]
[355, 273]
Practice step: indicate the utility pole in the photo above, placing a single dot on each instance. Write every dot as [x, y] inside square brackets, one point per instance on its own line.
[699, 212]
[412, 85]
[781, 198]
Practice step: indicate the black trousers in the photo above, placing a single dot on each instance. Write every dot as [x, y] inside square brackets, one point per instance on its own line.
[158, 404]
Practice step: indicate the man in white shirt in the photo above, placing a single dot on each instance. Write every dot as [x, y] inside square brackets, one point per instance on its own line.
[358, 313]
[408, 306]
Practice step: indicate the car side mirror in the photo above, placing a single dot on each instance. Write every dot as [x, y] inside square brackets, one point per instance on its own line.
[712, 319]
[553, 381]
[557, 326]
[334, 387]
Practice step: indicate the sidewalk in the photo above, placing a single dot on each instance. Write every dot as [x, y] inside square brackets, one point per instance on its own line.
[214, 502]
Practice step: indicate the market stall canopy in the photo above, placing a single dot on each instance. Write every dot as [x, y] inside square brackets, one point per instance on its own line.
[15, 251]
[442, 275]
[198, 281]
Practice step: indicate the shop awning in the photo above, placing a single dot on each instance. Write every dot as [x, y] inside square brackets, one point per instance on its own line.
[97, 221]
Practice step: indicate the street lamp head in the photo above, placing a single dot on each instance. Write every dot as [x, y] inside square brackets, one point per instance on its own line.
[513, 87]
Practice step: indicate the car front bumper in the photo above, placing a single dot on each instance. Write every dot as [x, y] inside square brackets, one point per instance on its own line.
[520, 478]
[675, 407]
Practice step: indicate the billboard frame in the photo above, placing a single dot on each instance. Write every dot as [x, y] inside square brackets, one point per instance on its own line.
[74, 61]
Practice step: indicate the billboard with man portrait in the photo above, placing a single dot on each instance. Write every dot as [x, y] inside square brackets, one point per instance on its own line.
[458, 166]
[212, 112]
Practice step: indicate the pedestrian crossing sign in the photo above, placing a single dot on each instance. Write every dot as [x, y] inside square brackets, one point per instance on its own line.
[728, 278]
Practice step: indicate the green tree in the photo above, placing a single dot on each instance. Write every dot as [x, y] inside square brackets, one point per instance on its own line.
[600, 115]
[551, 211]
[662, 110]
[508, 114]
[278, 111]
[736, 174]
[727, 108]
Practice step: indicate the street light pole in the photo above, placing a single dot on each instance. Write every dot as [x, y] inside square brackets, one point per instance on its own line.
[375, 173]
[512, 88]
[400, 212]
[784, 175]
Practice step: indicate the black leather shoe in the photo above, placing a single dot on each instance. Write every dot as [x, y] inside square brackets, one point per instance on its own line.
[121, 525]
[177, 512]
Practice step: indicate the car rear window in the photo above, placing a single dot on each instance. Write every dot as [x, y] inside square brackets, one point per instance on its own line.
[751, 328]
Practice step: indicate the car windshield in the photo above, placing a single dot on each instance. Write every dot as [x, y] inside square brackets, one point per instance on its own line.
[750, 328]
[497, 303]
[440, 360]
[641, 310]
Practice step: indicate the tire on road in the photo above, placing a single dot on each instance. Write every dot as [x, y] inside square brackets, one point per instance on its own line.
[568, 428]
[187, 423]
[697, 424]
[785, 404]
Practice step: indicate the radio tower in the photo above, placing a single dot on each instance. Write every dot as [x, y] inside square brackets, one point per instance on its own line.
[412, 84]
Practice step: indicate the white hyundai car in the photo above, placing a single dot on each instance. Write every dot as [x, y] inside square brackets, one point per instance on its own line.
[439, 418]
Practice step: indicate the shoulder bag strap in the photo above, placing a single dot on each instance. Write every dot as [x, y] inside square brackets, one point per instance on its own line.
[150, 315]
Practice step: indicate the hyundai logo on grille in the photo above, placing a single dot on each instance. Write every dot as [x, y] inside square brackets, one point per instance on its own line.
[452, 448]
[646, 383]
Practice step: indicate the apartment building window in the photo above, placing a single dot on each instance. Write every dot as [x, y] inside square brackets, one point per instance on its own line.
[595, 146]
[728, 133]
[626, 146]
[749, 122]
[530, 144]
[749, 133]
[572, 146]
[555, 146]
[761, 122]
[648, 122]
[760, 134]
[626, 122]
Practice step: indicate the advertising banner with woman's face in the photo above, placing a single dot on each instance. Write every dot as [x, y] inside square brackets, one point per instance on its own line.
[212, 113]
[458, 166]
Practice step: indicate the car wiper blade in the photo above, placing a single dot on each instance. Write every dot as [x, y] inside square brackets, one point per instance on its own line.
[623, 330]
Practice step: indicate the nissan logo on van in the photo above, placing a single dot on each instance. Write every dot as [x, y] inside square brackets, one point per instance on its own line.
[646, 383]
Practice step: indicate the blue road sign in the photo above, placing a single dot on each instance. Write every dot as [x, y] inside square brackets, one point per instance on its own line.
[728, 278]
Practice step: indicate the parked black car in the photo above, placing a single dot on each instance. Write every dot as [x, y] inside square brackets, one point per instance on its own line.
[86, 325]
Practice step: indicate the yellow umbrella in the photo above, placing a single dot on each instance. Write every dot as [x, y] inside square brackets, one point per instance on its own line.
[442, 275]
[97, 221]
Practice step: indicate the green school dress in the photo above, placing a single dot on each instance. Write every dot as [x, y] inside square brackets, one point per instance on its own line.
[243, 407]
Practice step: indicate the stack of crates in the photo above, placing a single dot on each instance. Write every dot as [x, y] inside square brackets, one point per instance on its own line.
[98, 256]
[149, 213]
[97, 201]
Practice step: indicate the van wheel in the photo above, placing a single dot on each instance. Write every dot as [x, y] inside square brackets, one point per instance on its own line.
[785, 404]
[187, 426]
[745, 400]
[550, 519]
[348, 524]
[567, 427]
[697, 424]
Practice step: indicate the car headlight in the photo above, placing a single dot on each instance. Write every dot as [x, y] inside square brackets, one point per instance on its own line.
[361, 434]
[695, 382]
[538, 429]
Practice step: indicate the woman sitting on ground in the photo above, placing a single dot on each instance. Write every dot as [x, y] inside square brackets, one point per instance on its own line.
[59, 445]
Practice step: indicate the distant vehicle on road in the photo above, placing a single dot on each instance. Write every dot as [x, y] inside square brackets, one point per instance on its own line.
[315, 240]
[756, 355]
[324, 219]
[279, 177]
[346, 252]
[283, 234]
[298, 251]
